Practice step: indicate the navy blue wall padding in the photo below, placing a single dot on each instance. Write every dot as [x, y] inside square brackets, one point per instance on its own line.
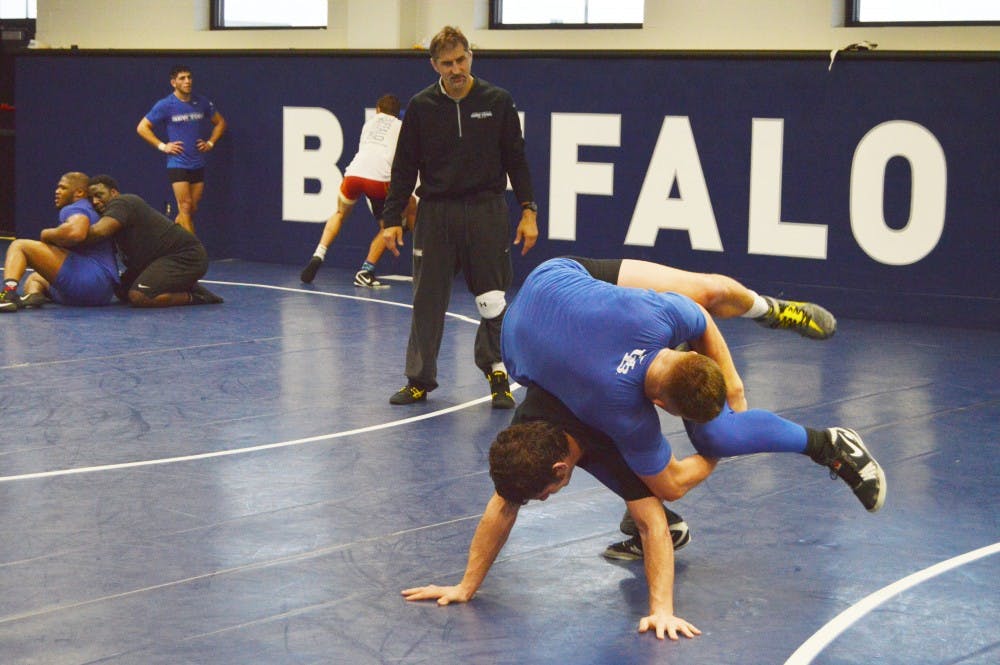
[79, 112]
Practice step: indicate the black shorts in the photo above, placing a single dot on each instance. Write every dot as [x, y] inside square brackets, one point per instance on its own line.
[192, 176]
[605, 270]
[174, 273]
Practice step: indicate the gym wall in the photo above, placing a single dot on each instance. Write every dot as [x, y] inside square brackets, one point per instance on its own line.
[871, 186]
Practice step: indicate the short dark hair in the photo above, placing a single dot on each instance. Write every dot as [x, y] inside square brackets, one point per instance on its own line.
[77, 180]
[389, 104]
[521, 459]
[448, 38]
[105, 180]
[177, 69]
[696, 386]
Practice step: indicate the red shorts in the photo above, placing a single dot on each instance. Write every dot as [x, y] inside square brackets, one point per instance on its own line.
[353, 187]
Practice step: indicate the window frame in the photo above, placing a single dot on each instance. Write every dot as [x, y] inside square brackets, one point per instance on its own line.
[217, 10]
[852, 9]
[496, 24]
[27, 26]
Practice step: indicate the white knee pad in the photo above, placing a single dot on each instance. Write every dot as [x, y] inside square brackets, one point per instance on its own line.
[491, 304]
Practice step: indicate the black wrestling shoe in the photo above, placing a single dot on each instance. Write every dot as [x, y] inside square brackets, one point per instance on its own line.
[34, 300]
[806, 318]
[9, 301]
[500, 390]
[631, 549]
[408, 394]
[202, 296]
[368, 280]
[626, 550]
[856, 466]
[309, 272]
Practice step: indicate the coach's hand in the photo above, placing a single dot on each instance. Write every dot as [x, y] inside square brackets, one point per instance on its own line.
[669, 624]
[527, 231]
[393, 236]
[444, 595]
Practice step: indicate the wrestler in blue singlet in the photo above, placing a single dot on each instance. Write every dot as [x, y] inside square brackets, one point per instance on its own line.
[186, 122]
[89, 274]
[590, 343]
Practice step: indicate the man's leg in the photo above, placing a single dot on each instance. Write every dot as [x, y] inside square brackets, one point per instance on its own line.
[330, 232]
[182, 192]
[433, 273]
[631, 548]
[724, 297]
[366, 275]
[35, 284]
[488, 274]
[172, 280]
[188, 195]
[46, 259]
[760, 431]
[377, 246]
[36, 291]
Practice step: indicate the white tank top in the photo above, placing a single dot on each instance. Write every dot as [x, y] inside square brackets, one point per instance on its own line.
[376, 148]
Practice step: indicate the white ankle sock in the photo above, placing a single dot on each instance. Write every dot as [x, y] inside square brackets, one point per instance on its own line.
[320, 251]
[758, 308]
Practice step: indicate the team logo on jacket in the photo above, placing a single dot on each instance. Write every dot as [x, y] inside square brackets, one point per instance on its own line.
[630, 360]
[480, 115]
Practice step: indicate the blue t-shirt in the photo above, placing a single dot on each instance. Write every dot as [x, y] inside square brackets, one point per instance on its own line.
[186, 122]
[102, 252]
[590, 343]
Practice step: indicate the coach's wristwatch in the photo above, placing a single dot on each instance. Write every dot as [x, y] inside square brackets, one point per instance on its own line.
[530, 205]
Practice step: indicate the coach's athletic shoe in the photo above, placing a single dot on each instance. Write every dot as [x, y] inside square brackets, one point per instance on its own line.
[309, 272]
[9, 301]
[500, 390]
[806, 318]
[631, 549]
[202, 296]
[855, 465]
[367, 279]
[34, 300]
[408, 394]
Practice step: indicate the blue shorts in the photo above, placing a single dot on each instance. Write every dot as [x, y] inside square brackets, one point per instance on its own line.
[83, 281]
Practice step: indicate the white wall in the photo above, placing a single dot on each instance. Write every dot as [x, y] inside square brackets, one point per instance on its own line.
[392, 24]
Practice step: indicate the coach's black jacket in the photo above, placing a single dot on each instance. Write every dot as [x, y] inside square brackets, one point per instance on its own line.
[462, 149]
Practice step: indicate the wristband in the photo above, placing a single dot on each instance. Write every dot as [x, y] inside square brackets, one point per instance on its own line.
[162, 147]
[210, 144]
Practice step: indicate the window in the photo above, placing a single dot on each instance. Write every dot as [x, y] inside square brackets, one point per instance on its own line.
[922, 12]
[18, 9]
[17, 23]
[559, 14]
[268, 14]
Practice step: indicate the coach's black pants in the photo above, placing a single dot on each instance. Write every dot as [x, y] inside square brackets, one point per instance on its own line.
[471, 236]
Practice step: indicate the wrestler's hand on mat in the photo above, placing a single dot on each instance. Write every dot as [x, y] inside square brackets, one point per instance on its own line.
[668, 623]
[443, 594]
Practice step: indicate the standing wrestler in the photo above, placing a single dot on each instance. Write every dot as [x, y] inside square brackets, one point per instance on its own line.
[186, 117]
[462, 136]
[368, 175]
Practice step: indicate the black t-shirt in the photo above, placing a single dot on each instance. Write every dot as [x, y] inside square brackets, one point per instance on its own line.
[146, 235]
[601, 458]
